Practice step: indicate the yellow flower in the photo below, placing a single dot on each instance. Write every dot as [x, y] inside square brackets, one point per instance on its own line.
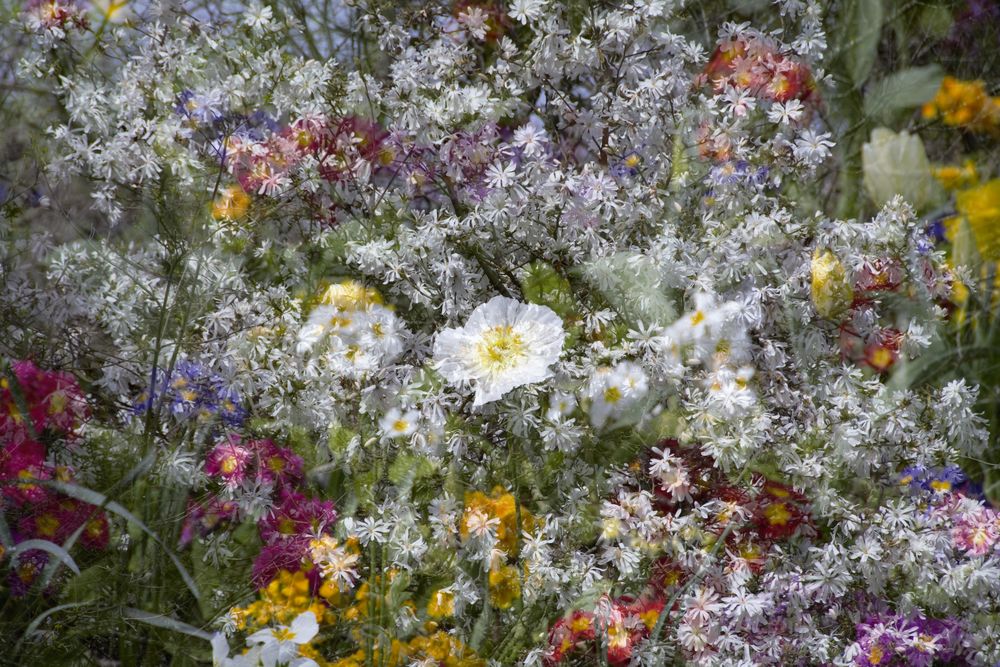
[505, 586]
[444, 649]
[954, 177]
[980, 206]
[831, 292]
[284, 598]
[502, 507]
[441, 604]
[232, 204]
[964, 104]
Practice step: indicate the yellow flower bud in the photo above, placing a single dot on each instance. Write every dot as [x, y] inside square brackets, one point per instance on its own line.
[831, 291]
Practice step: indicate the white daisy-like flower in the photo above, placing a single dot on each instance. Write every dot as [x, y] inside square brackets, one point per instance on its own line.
[613, 390]
[505, 344]
[397, 424]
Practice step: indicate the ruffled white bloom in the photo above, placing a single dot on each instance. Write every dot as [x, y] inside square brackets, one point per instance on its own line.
[505, 344]
[613, 390]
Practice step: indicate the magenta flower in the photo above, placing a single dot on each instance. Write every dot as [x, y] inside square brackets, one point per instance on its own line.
[229, 461]
[297, 516]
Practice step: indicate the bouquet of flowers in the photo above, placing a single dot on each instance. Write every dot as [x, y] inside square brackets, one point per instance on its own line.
[480, 333]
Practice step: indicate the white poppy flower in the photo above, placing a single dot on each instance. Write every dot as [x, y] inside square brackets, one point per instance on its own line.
[505, 344]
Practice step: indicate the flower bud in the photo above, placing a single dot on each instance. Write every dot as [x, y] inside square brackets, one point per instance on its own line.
[896, 164]
[831, 291]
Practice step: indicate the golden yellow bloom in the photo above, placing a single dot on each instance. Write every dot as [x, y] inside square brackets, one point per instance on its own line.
[505, 586]
[441, 604]
[502, 507]
[232, 204]
[965, 104]
[954, 177]
[831, 291]
[444, 649]
[285, 597]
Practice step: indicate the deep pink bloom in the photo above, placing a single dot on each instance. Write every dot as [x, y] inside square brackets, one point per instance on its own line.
[53, 400]
[284, 555]
[24, 462]
[297, 516]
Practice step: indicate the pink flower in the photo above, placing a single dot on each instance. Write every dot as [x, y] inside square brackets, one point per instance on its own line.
[24, 463]
[977, 533]
[53, 400]
[229, 461]
[276, 465]
[297, 516]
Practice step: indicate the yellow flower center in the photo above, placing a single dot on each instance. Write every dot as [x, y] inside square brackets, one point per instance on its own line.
[612, 395]
[500, 348]
[941, 485]
[47, 525]
[284, 634]
[229, 465]
[777, 514]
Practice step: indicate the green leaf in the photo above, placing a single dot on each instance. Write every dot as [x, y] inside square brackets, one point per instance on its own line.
[862, 31]
[165, 622]
[95, 498]
[543, 285]
[902, 91]
[38, 620]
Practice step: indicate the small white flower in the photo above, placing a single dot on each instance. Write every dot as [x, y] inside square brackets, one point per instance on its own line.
[560, 405]
[474, 19]
[335, 561]
[500, 176]
[505, 344]
[397, 424]
[524, 11]
[258, 18]
[785, 113]
[613, 390]
[812, 147]
[530, 139]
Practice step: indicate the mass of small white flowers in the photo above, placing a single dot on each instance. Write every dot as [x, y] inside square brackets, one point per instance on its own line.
[525, 297]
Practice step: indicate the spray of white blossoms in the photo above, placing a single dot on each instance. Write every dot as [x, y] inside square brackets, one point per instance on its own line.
[510, 342]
